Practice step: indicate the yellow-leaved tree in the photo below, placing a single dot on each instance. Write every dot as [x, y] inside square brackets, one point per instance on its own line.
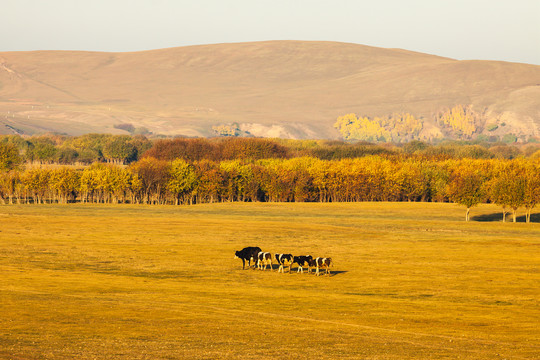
[462, 120]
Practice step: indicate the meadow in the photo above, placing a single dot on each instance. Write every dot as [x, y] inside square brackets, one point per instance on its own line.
[410, 281]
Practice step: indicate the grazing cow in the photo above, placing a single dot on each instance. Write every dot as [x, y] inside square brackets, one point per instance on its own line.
[248, 253]
[302, 261]
[321, 263]
[284, 260]
[264, 258]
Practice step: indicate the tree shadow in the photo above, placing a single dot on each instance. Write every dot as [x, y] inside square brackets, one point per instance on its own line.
[489, 217]
[497, 217]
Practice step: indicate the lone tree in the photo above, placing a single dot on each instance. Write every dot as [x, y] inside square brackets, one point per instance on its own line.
[466, 187]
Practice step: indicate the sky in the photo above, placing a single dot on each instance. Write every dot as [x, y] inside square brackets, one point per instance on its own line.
[507, 30]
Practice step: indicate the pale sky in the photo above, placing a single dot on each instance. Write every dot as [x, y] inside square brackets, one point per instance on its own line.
[507, 30]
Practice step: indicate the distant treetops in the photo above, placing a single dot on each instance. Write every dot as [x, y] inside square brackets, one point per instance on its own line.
[460, 122]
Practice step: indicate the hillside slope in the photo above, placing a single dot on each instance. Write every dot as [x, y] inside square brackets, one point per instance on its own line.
[277, 88]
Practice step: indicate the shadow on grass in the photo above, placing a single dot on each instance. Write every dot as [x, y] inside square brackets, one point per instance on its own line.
[498, 217]
[338, 272]
[295, 271]
[322, 273]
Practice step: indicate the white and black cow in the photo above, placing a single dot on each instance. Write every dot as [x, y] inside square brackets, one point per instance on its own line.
[264, 259]
[248, 253]
[321, 263]
[284, 260]
[302, 261]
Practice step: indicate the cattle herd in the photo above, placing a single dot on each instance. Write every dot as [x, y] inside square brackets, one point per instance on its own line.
[262, 260]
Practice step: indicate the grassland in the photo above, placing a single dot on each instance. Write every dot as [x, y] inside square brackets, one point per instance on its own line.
[410, 281]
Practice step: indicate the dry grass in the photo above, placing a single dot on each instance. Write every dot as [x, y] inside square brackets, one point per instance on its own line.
[411, 281]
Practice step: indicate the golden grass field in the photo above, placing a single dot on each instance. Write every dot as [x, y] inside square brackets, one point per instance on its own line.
[410, 281]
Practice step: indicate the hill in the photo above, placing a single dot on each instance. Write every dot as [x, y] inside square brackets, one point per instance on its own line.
[290, 89]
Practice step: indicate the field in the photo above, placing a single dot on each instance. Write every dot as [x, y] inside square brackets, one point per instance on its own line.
[410, 281]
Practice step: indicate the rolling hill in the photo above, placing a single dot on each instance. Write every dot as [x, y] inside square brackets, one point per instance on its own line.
[291, 89]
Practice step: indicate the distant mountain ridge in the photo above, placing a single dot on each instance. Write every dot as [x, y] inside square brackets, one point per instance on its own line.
[294, 89]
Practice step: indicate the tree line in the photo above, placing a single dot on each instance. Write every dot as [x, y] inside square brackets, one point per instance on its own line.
[512, 184]
[122, 149]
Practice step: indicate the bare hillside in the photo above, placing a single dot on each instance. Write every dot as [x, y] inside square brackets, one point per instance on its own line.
[277, 89]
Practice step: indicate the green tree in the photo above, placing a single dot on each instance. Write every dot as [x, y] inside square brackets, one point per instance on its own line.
[9, 157]
[42, 150]
[120, 149]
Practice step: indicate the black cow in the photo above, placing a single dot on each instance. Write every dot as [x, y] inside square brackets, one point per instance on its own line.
[248, 253]
[321, 263]
[302, 261]
[264, 258]
[284, 260]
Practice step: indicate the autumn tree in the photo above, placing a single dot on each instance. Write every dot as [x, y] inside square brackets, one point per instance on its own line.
[88, 184]
[209, 181]
[531, 195]
[36, 182]
[182, 181]
[154, 175]
[251, 148]
[361, 128]
[460, 119]
[499, 194]
[187, 149]
[466, 187]
[10, 184]
[66, 183]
